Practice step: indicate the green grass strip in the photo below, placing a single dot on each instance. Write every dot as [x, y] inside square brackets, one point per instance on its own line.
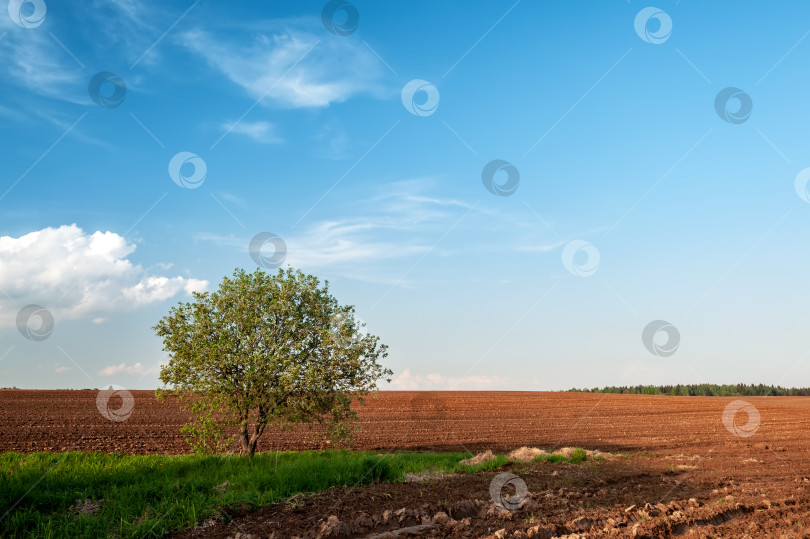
[149, 495]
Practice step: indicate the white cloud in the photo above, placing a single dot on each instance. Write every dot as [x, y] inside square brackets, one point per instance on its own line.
[123, 368]
[295, 68]
[263, 132]
[407, 381]
[74, 274]
[60, 369]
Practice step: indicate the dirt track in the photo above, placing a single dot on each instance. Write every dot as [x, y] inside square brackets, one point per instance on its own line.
[757, 486]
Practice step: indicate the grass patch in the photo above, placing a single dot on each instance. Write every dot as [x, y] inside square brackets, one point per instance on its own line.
[149, 495]
[577, 455]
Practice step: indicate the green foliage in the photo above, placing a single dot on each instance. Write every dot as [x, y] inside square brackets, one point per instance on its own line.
[267, 349]
[704, 390]
[578, 455]
[207, 432]
[150, 495]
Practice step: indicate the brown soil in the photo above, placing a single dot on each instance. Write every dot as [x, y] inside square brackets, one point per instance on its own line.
[698, 479]
[641, 496]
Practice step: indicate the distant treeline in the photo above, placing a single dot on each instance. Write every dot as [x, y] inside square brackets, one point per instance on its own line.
[705, 390]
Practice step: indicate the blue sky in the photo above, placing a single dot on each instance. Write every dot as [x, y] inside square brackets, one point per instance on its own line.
[678, 215]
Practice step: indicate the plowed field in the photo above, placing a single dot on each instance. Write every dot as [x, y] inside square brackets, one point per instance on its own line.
[62, 420]
[701, 476]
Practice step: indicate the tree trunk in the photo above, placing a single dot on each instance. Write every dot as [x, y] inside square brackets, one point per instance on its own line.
[253, 443]
[249, 442]
[245, 442]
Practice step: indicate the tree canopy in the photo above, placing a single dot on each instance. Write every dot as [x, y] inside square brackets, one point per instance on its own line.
[267, 349]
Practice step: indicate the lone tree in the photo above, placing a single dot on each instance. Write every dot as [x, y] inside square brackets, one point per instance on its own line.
[267, 349]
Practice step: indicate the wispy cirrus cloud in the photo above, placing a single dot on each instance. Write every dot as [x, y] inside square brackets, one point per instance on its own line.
[292, 67]
[333, 245]
[398, 225]
[262, 132]
[333, 142]
[53, 63]
[34, 61]
[394, 227]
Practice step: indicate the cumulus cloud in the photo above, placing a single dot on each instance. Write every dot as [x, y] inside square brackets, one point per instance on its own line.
[75, 274]
[407, 381]
[292, 67]
[123, 368]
